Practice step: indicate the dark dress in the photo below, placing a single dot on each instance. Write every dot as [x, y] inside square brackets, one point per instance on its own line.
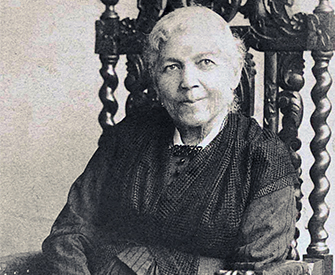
[233, 201]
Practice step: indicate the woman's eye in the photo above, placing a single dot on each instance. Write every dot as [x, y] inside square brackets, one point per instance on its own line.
[206, 64]
[206, 61]
[170, 68]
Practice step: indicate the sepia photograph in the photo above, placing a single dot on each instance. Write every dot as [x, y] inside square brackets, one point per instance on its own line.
[167, 137]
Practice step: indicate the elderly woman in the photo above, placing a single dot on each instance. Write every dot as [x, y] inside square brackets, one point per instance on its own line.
[189, 188]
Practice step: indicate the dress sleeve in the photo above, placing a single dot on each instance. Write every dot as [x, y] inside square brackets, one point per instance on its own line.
[267, 230]
[268, 223]
[70, 244]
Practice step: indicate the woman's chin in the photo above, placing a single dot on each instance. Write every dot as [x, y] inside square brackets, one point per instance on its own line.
[193, 121]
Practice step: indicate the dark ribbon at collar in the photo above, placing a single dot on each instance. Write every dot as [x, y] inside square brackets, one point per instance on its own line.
[184, 150]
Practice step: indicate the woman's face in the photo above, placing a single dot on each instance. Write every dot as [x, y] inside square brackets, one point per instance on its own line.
[195, 78]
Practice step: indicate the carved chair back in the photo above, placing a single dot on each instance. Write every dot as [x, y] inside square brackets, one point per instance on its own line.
[282, 38]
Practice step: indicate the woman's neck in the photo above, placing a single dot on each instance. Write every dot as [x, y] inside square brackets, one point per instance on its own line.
[194, 135]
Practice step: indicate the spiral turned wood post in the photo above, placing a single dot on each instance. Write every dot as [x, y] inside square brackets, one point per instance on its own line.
[107, 40]
[321, 26]
[318, 234]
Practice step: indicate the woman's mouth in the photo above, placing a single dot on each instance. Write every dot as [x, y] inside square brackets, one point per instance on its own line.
[191, 102]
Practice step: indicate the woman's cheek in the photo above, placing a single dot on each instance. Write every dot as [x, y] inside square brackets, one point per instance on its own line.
[168, 87]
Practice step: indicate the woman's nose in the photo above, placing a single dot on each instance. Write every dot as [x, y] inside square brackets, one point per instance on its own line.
[189, 78]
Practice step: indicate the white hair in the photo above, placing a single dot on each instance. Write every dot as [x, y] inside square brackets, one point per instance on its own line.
[185, 19]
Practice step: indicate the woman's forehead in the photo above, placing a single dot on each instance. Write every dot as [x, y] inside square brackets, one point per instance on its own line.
[194, 44]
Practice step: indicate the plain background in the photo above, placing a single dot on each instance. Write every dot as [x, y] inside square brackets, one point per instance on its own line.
[49, 108]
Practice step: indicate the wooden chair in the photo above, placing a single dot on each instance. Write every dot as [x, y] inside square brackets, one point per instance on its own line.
[283, 39]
